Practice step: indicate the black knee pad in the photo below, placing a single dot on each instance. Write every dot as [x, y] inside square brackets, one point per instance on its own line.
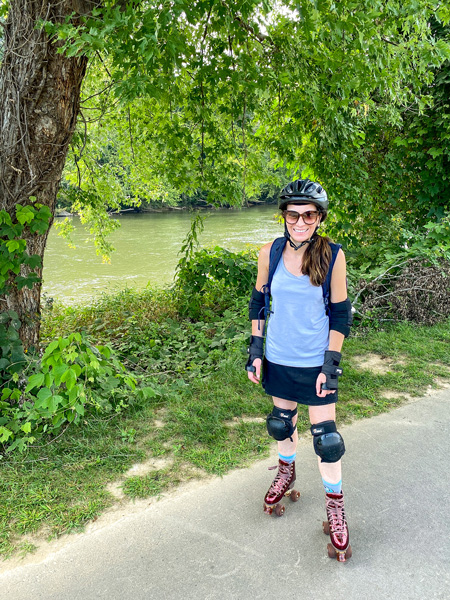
[279, 423]
[328, 442]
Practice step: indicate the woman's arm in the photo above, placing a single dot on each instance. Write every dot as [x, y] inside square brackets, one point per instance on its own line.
[339, 279]
[338, 294]
[258, 324]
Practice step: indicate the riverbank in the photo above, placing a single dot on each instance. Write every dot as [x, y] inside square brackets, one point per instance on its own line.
[202, 416]
[63, 214]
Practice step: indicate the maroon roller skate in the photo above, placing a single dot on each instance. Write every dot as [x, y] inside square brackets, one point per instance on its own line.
[336, 528]
[281, 486]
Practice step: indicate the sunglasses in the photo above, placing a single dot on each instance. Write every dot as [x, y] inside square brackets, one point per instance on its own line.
[292, 216]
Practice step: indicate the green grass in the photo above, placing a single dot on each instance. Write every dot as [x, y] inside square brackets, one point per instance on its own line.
[196, 424]
[152, 484]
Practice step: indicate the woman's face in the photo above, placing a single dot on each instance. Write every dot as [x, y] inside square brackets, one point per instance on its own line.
[301, 231]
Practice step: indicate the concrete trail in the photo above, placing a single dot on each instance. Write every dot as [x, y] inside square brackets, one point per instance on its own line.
[213, 541]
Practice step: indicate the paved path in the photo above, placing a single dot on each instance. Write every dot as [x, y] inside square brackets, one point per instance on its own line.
[214, 542]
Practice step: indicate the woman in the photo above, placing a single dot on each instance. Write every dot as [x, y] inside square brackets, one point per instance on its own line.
[303, 345]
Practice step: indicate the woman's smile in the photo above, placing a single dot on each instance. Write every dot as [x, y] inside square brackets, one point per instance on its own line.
[300, 230]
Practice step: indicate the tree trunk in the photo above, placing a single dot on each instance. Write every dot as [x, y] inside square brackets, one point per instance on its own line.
[39, 103]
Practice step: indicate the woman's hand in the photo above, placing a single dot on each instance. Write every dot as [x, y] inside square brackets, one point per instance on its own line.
[255, 376]
[322, 378]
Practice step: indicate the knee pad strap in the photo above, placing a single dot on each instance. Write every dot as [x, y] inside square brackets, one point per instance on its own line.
[328, 442]
[279, 423]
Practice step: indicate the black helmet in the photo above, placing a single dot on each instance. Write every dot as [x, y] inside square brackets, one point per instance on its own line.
[304, 191]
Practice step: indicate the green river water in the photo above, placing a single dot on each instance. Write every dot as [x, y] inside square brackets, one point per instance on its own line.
[147, 247]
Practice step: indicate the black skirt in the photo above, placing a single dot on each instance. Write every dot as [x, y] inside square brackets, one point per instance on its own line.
[297, 384]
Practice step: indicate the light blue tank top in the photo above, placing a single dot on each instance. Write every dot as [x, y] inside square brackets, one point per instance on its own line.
[298, 328]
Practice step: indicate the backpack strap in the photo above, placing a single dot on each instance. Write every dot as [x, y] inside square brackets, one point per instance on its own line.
[276, 251]
[326, 286]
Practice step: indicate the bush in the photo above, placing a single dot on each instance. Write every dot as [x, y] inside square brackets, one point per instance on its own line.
[214, 280]
[415, 290]
[71, 378]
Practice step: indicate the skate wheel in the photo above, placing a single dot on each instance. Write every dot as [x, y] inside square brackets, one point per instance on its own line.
[326, 527]
[348, 553]
[279, 510]
[331, 551]
[294, 496]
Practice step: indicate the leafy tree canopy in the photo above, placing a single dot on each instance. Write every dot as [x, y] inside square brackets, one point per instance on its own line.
[216, 96]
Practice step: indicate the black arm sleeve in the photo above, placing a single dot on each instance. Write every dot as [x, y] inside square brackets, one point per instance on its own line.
[341, 317]
[255, 305]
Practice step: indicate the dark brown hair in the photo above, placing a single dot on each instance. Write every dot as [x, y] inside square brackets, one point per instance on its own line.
[316, 260]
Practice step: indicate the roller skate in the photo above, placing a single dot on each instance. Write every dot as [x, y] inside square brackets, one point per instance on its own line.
[281, 486]
[336, 527]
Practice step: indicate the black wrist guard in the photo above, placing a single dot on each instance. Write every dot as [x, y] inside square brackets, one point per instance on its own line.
[255, 350]
[331, 369]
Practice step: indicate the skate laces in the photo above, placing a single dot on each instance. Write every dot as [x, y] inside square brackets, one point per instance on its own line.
[336, 515]
[281, 478]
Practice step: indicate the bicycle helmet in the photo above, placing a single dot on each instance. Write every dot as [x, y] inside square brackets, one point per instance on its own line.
[304, 191]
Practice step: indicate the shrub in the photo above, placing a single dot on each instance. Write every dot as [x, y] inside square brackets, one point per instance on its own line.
[213, 280]
[415, 290]
[71, 378]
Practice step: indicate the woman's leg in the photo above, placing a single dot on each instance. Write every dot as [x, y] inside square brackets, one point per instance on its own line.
[336, 524]
[284, 480]
[330, 472]
[286, 447]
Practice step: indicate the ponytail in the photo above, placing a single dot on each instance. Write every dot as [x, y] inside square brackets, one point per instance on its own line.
[316, 260]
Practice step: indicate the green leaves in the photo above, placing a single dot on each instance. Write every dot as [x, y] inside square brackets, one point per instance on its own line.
[17, 267]
[35, 380]
[13, 245]
[201, 98]
[211, 98]
[210, 280]
[12, 359]
[71, 378]
[25, 214]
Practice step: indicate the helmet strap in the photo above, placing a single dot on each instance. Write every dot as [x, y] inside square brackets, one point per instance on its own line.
[295, 246]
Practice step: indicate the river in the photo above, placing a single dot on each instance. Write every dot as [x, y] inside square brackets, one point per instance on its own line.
[147, 247]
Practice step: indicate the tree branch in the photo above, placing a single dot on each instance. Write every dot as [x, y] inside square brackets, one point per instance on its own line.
[355, 300]
[258, 37]
[109, 86]
[389, 42]
[103, 62]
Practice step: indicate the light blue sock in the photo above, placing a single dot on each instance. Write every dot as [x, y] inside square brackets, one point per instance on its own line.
[332, 488]
[287, 459]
